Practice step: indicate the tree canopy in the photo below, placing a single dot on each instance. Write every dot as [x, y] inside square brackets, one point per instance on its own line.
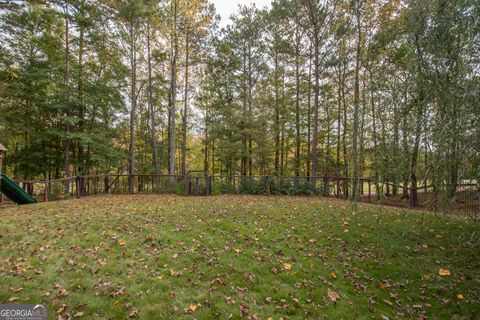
[362, 88]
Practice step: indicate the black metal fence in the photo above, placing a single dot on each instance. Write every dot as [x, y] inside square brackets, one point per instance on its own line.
[466, 200]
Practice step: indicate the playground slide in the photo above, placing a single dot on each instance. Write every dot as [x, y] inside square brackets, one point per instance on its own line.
[14, 192]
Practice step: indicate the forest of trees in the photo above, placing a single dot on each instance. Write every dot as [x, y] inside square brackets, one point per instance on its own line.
[388, 89]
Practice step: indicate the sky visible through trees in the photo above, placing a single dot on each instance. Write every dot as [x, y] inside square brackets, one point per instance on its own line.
[226, 8]
[387, 89]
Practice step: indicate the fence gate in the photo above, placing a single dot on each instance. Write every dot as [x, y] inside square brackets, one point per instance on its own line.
[198, 183]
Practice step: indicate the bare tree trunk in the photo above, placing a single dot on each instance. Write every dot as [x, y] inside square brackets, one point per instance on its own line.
[316, 105]
[151, 108]
[282, 148]
[244, 157]
[356, 103]
[416, 147]
[405, 144]
[297, 106]
[339, 119]
[185, 108]
[344, 135]
[173, 88]
[396, 141]
[133, 97]
[309, 113]
[277, 118]
[375, 144]
[81, 122]
[67, 99]
[250, 115]
[205, 146]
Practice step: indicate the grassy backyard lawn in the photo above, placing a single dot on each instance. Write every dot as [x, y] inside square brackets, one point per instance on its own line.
[169, 257]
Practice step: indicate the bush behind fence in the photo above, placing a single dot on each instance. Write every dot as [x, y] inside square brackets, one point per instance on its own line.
[466, 200]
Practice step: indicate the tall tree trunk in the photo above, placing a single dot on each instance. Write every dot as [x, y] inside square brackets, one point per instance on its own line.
[344, 133]
[405, 145]
[133, 97]
[244, 157]
[185, 108]
[339, 119]
[356, 105]
[250, 114]
[375, 144]
[316, 104]
[362, 133]
[151, 108]
[277, 117]
[396, 140]
[282, 147]
[82, 122]
[173, 88]
[297, 105]
[413, 168]
[67, 98]
[309, 114]
[205, 145]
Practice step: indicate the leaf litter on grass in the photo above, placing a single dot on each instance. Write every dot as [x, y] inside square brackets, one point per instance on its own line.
[245, 256]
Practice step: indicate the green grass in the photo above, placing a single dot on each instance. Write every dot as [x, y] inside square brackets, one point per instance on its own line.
[161, 257]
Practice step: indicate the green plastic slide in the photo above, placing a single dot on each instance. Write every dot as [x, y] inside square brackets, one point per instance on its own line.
[14, 192]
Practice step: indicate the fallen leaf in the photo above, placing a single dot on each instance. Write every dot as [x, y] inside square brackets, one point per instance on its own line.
[333, 275]
[62, 292]
[460, 296]
[190, 309]
[13, 299]
[122, 242]
[175, 273]
[134, 313]
[287, 266]
[333, 295]
[444, 272]
[244, 310]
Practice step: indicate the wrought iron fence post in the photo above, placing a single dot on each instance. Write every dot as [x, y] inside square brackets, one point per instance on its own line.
[326, 187]
[413, 197]
[197, 186]
[45, 191]
[77, 185]
[187, 183]
[131, 183]
[207, 185]
[107, 184]
[369, 191]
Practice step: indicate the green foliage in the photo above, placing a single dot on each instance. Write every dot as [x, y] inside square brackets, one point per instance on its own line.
[406, 113]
